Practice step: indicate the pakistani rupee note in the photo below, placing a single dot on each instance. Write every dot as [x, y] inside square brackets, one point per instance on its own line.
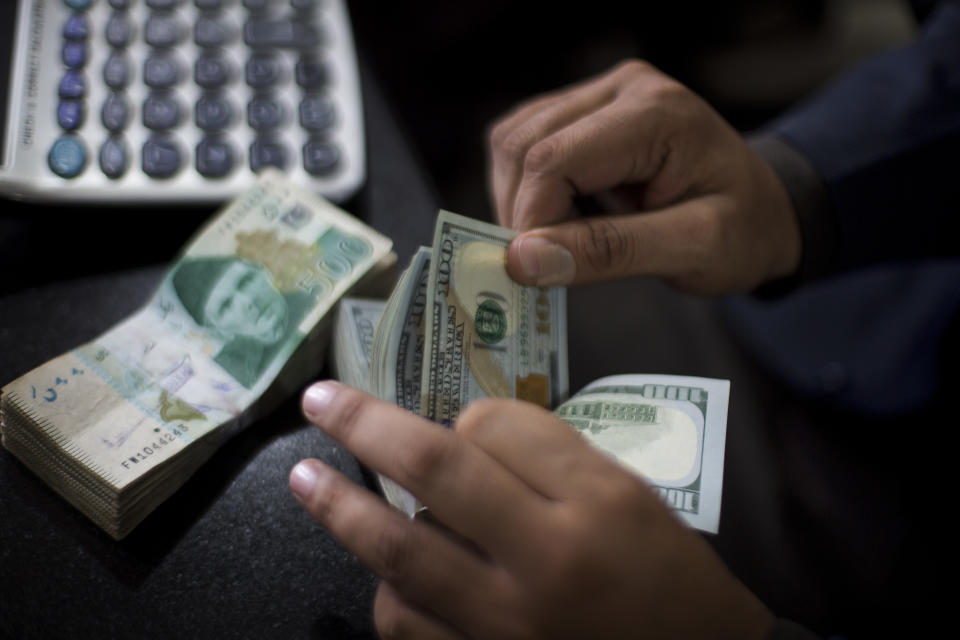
[116, 425]
[671, 430]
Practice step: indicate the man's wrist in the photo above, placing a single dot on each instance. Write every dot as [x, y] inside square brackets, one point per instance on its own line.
[811, 202]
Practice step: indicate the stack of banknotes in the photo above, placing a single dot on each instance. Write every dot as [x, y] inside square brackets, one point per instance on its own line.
[456, 328]
[240, 321]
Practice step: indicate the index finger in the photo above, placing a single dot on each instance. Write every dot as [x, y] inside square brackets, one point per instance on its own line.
[513, 137]
[463, 486]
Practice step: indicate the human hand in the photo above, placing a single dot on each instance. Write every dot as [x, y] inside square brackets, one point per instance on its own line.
[547, 537]
[689, 200]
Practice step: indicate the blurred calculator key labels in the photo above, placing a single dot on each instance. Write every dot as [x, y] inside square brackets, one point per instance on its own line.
[121, 101]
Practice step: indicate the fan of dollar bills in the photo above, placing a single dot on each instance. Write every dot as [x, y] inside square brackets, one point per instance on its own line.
[238, 323]
[456, 328]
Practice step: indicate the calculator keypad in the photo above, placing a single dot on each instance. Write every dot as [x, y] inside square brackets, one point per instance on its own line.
[218, 84]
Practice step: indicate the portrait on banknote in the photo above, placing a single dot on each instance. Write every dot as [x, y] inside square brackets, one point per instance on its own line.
[237, 300]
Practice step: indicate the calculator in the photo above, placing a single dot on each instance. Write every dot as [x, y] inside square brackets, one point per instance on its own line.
[163, 101]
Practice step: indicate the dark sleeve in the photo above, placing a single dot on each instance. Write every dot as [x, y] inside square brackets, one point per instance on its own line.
[871, 163]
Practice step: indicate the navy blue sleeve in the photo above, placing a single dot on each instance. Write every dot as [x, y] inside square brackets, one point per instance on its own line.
[885, 141]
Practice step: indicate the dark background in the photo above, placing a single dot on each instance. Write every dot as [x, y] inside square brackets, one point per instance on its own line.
[449, 69]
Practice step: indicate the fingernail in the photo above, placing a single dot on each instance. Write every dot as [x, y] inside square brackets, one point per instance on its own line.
[316, 399]
[302, 479]
[545, 263]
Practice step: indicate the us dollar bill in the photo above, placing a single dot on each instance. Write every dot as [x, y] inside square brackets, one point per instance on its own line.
[487, 336]
[239, 320]
[397, 360]
[352, 341]
[403, 333]
[670, 430]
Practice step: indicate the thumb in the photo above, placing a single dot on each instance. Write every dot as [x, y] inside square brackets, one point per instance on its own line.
[677, 243]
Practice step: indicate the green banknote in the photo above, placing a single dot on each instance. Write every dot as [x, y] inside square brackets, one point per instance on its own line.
[352, 340]
[671, 430]
[401, 333]
[487, 336]
[239, 320]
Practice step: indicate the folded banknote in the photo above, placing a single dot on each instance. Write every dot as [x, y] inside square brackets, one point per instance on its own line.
[239, 322]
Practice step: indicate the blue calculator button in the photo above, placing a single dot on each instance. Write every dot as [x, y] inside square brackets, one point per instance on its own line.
[209, 5]
[255, 5]
[214, 158]
[76, 27]
[213, 113]
[78, 5]
[116, 70]
[162, 4]
[161, 71]
[120, 4]
[211, 71]
[311, 74]
[74, 54]
[161, 112]
[114, 157]
[317, 113]
[70, 114]
[115, 113]
[303, 5]
[119, 30]
[161, 157]
[72, 85]
[280, 34]
[320, 157]
[68, 157]
[267, 153]
[162, 30]
[263, 70]
[209, 32]
[264, 113]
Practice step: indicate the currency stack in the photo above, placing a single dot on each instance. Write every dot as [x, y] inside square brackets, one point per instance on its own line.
[457, 328]
[240, 321]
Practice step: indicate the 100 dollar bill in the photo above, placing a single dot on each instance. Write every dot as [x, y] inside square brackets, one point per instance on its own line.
[671, 430]
[487, 336]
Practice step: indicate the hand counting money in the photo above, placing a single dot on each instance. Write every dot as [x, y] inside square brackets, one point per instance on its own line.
[457, 328]
[239, 321]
